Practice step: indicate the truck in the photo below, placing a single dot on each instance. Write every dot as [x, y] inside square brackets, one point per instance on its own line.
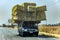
[28, 16]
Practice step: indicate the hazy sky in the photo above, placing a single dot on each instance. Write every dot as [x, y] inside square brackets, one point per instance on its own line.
[52, 13]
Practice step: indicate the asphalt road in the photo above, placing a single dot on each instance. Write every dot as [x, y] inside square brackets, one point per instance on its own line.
[11, 34]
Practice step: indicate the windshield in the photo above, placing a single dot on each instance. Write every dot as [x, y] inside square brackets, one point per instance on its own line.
[33, 27]
[29, 25]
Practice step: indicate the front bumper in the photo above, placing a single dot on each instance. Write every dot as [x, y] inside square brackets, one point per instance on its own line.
[30, 33]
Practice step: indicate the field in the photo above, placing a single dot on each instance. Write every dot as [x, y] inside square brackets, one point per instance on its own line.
[50, 29]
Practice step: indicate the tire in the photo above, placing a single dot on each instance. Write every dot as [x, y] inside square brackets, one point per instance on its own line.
[19, 33]
[23, 35]
[36, 34]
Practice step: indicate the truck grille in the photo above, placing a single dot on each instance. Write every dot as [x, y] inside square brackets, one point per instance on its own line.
[31, 30]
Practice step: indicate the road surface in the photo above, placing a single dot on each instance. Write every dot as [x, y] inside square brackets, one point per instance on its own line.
[11, 34]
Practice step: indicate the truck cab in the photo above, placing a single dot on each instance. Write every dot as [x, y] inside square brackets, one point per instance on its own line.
[28, 28]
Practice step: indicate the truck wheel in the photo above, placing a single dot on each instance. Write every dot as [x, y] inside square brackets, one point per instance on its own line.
[19, 34]
[36, 34]
[23, 35]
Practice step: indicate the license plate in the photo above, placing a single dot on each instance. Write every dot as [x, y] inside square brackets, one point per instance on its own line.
[31, 32]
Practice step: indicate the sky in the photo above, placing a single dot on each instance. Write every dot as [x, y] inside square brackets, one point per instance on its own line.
[52, 13]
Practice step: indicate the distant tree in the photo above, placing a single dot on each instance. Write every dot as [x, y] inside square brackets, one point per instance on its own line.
[4, 25]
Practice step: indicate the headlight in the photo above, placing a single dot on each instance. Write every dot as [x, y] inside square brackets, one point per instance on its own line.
[36, 30]
[25, 29]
